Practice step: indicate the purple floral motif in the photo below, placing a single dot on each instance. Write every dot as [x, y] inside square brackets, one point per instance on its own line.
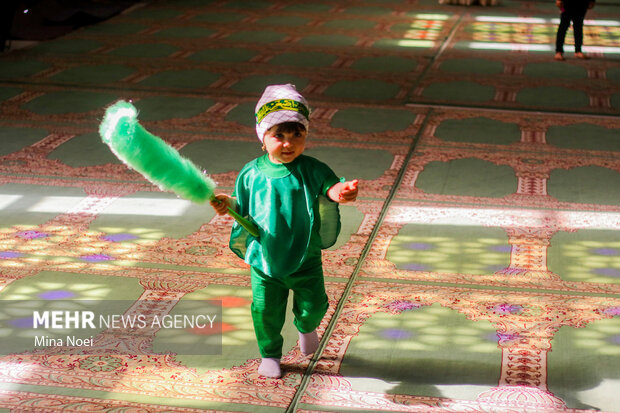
[25, 322]
[32, 234]
[119, 237]
[501, 248]
[507, 309]
[613, 311]
[396, 334]
[96, 257]
[10, 254]
[503, 337]
[400, 306]
[56, 295]
[607, 251]
[608, 272]
[615, 339]
[421, 246]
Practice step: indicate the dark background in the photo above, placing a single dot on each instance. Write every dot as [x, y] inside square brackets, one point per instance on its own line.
[39, 20]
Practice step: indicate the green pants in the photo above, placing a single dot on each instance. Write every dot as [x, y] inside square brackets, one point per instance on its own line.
[270, 297]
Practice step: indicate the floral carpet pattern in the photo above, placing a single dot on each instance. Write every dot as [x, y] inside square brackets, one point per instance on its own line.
[478, 271]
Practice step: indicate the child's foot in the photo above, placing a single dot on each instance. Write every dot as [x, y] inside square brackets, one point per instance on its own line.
[580, 55]
[558, 56]
[270, 368]
[308, 343]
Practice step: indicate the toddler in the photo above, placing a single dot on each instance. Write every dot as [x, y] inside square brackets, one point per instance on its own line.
[293, 200]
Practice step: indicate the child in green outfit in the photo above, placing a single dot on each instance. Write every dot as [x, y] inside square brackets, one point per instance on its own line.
[293, 200]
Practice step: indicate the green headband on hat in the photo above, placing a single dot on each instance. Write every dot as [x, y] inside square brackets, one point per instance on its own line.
[281, 104]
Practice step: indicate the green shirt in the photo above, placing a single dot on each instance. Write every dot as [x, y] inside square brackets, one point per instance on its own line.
[288, 204]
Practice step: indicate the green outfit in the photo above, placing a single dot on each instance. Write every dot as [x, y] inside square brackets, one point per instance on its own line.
[295, 220]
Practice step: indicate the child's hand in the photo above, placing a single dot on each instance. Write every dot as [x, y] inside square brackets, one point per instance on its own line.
[348, 191]
[221, 203]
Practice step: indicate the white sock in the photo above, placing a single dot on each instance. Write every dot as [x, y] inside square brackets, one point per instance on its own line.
[308, 342]
[270, 367]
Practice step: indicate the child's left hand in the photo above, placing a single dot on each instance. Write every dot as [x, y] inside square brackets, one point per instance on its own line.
[344, 191]
[349, 191]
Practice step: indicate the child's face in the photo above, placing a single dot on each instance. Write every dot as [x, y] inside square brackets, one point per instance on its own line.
[284, 147]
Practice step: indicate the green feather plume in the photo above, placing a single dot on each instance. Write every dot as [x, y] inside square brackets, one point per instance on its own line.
[152, 157]
[157, 161]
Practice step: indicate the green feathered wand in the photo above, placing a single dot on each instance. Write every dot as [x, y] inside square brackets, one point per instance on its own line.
[158, 162]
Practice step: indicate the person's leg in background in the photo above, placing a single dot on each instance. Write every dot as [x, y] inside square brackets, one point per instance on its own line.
[560, 36]
[578, 17]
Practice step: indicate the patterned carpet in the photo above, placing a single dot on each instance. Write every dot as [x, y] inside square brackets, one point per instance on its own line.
[478, 271]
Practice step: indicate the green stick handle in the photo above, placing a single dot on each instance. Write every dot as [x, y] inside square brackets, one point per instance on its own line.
[247, 225]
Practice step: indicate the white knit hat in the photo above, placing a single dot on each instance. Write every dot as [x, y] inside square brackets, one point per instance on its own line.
[280, 104]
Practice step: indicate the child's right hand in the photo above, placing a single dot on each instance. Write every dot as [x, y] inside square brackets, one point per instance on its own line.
[221, 203]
